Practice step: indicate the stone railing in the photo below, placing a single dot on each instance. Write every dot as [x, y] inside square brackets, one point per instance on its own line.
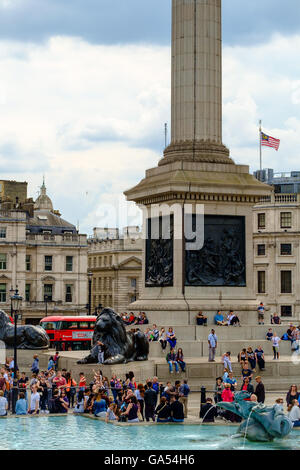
[280, 199]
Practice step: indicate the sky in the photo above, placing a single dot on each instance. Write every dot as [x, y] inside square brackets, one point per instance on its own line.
[85, 92]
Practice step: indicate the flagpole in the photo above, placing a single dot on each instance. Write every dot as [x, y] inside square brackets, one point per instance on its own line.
[260, 146]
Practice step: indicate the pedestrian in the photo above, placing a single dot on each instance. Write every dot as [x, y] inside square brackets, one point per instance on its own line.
[247, 386]
[246, 372]
[232, 381]
[184, 391]
[218, 390]
[140, 393]
[150, 399]
[171, 337]
[275, 342]
[3, 404]
[227, 361]
[227, 394]
[261, 313]
[260, 390]
[34, 407]
[294, 413]
[180, 359]
[208, 412]
[163, 411]
[101, 348]
[269, 334]
[163, 338]
[176, 410]
[251, 358]
[212, 346]
[171, 359]
[35, 368]
[292, 394]
[260, 357]
[56, 359]
[21, 405]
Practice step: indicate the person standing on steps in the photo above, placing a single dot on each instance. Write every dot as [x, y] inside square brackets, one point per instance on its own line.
[212, 346]
[275, 343]
[260, 390]
[261, 313]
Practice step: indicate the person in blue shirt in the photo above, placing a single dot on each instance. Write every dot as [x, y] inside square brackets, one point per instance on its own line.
[232, 381]
[35, 368]
[21, 405]
[219, 319]
[100, 407]
[51, 364]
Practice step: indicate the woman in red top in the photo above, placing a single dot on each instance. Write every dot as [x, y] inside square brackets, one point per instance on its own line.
[227, 394]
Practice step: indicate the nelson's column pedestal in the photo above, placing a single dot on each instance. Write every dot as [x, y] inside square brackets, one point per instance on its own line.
[197, 169]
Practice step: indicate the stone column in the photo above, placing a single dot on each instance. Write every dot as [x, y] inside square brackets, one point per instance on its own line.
[196, 83]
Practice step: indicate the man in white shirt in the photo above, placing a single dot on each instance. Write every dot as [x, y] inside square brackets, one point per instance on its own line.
[275, 342]
[34, 407]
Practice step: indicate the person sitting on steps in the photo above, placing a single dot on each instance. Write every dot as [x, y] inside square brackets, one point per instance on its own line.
[201, 319]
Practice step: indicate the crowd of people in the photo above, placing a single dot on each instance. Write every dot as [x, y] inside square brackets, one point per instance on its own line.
[56, 391]
[132, 319]
[227, 386]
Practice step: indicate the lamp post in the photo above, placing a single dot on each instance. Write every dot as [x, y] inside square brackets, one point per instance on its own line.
[16, 301]
[90, 277]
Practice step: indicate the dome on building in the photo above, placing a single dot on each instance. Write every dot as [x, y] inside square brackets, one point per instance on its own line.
[43, 202]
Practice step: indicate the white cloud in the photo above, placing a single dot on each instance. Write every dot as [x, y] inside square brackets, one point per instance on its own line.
[81, 112]
[262, 82]
[91, 117]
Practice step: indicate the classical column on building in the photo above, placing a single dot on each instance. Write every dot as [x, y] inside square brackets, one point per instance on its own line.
[196, 133]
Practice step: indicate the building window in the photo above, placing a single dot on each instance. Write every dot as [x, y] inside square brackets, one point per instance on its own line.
[286, 311]
[48, 263]
[285, 219]
[3, 262]
[48, 292]
[28, 263]
[286, 249]
[3, 293]
[286, 282]
[69, 263]
[261, 282]
[69, 289]
[27, 292]
[261, 250]
[3, 232]
[261, 221]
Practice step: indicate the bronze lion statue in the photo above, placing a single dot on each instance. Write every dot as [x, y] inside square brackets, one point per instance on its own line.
[120, 346]
[28, 336]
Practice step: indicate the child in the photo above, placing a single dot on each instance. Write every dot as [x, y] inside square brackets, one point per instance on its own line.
[82, 382]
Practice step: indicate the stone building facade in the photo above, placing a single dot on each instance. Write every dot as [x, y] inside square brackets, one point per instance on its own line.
[277, 254]
[44, 256]
[116, 263]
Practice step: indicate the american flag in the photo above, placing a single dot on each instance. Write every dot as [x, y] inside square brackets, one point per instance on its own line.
[269, 141]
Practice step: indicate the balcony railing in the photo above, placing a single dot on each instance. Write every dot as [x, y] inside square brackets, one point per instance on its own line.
[280, 199]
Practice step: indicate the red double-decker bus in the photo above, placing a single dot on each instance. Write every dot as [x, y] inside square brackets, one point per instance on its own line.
[69, 333]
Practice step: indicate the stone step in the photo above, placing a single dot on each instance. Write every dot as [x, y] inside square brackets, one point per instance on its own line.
[173, 318]
[200, 348]
[194, 332]
[278, 375]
